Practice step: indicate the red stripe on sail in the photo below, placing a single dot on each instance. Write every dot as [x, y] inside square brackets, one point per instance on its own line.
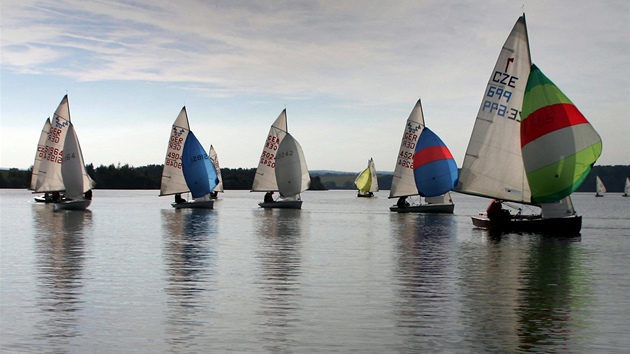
[430, 154]
[549, 119]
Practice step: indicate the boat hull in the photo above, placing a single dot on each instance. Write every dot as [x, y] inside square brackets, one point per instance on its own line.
[445, 208]
[360, 195]
[570, 225]
[202, 204]
[77, 204]
[282, 204]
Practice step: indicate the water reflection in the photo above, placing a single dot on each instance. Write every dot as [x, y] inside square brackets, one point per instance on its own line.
[279, 237]
[190, 258]
[60, 250]
[519, 292]
[554, 296]
[425, 259]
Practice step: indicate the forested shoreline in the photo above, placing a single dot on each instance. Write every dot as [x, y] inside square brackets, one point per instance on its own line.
[149, 176]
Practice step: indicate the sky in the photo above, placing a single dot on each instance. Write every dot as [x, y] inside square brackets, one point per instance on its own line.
[347, 72]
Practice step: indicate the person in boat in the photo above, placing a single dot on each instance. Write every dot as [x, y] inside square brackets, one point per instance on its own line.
[402, 202]
[495, 211]
[179, 199]
[214, 195]
[88, 195]
[268, 197]
[56, 197]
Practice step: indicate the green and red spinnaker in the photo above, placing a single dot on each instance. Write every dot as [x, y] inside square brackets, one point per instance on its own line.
[559, 145]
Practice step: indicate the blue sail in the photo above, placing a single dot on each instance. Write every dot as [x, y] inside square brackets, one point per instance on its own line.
[199, 172]
[434, 168]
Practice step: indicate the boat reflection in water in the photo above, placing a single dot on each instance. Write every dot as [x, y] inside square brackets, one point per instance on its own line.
[60, 253]
[425, 245]
[527, 292]
[190, 260]
[279, 282]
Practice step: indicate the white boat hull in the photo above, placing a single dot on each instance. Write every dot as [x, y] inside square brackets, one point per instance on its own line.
[443, 208]
[201, 204]
[282, 204]
[77, 204]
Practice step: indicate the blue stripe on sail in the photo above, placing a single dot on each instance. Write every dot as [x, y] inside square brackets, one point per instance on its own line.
[199, 172]
[436, 178]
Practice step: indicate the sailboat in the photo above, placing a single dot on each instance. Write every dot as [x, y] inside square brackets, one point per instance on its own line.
[424, 167]
[39, 155]
[367, 182]
[626, 188]
[187, 168]
[214, 158]
[281, 168]
[529, 145]
[61, 167]
[600, 188]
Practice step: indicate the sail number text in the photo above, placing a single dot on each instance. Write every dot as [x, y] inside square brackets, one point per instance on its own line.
[499, 96]
[267, 158]
[405, 158]
[51, 154]
[175, 143]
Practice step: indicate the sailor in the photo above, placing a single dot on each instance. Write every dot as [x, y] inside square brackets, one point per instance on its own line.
[179, 199]
[268, 197]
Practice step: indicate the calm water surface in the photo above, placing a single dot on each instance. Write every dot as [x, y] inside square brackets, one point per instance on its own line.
[341, 275]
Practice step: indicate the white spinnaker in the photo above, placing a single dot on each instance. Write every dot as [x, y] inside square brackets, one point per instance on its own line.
[291, 171]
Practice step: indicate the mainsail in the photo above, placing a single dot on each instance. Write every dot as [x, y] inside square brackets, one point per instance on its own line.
[403, 182]
[40, 154]
[199, 172]
[49, 175]
[172, 176]
[599, 186]
[559, 145]
[265, 178]
[493, 165]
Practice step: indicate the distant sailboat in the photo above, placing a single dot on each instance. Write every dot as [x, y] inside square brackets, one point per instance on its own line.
[626, 188]
[538, 161]
[424, 167]
[187, 168]
[281, 168]
[215, 161]
[600, 188]
[367, 182]
[61, 167]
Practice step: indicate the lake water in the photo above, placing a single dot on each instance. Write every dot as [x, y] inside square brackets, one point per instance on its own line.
[341, 275]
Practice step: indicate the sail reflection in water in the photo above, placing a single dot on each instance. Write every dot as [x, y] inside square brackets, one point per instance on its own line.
[279, 253]
[526, 292]
[425, 245]
[60, 260]
[190, 259]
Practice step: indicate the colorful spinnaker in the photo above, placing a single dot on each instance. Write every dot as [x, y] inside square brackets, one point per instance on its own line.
[434, 168]
[559, 145]
[199, 172]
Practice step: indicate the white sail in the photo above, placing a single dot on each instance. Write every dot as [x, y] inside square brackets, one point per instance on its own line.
[291, 171]
[39, 155]
[559, 209]
[493, 165]
[265, 178]
[601, 188]
[626, 187]
[374, 186]
[403, 182]
[75, 178]
[172, 176]
[215, 161]
[49, 174]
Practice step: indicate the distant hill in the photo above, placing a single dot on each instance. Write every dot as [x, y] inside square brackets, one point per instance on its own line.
[148, 177]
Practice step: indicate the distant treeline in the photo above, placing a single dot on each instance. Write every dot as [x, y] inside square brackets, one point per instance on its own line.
[144, 177]
[148, 177]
